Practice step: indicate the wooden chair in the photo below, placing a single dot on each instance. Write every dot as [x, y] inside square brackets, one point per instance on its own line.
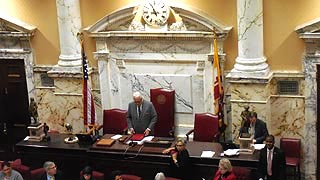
[241, 173]
[163, 102]
[37, 172]
[291, 148]
[96, 175]
[206, 128]
[115, 121]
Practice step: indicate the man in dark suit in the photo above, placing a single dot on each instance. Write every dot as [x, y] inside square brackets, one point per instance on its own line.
[258, 128]
[51, 172]
[141, 115]
[272, 162]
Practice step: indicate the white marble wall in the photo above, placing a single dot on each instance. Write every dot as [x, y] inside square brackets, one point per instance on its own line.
[152, 64]
[62, 102]
[283, 114]
[310, 133]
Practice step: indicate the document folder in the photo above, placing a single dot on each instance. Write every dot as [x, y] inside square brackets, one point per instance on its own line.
[137, 137]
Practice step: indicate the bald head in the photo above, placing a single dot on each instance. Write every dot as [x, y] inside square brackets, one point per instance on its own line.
[137, 94]
[137, 98]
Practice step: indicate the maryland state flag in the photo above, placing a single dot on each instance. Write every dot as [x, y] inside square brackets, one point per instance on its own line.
[217, 87]
[89, 113]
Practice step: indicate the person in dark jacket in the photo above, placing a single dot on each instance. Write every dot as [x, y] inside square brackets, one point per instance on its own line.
[258, 128]
[179, 161]
[272, 162]
[51, 172]
[141, 116]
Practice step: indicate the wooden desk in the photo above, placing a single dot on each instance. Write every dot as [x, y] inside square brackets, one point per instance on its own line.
[139, 160]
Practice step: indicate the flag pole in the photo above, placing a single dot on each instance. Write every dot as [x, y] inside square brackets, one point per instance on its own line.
[80, 38]
[217, 88]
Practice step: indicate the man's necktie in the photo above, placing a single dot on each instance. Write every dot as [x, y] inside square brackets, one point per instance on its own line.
[269, 163]
[139, 111]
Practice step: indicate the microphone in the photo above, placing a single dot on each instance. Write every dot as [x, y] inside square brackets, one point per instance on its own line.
[132, 143]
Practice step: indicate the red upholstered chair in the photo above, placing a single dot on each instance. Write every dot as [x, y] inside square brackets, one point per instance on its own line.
[206, 128]
[171, 178]
[130, 177]
[241, 173]
[96, 175]
[114, 121]
[163, 102]
[291, 148]
[37, 172]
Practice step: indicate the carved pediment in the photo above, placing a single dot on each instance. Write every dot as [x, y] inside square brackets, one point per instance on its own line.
[310, 29]
[183, 19]
[10, 26]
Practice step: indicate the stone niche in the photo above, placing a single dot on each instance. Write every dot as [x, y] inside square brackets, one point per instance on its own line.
[15, 37]
[178, 55]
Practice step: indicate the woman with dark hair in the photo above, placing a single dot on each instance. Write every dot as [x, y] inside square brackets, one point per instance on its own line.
[87, 173]
[115, 175]
[180, 162]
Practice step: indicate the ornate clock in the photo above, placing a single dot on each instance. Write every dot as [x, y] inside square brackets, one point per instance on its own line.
[155, 12]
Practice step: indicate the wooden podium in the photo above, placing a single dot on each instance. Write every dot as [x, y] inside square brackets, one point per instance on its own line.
[36, 132]
[163, 102]
[246, 145]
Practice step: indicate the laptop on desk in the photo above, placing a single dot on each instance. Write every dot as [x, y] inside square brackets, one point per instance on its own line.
[85, 139]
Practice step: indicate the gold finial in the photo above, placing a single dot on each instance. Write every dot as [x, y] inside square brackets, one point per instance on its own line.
[80, 36]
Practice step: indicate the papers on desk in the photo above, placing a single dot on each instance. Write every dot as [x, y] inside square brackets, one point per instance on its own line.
[231, 152]
[147, 138]
[208, 154]
[117, 136]
[259, 146]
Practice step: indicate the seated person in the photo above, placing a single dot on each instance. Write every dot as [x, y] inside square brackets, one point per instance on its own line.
[51, 172]
[225, 171]
[87, 173]
[180, 161]
[258, 129]
[8, 173]
[160, 176]
[115, 175]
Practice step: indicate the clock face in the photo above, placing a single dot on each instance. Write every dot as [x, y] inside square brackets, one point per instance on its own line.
[155, 12]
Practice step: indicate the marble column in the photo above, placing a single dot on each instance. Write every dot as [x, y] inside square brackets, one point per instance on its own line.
[69, 22]
[250, 61]
[249, 80]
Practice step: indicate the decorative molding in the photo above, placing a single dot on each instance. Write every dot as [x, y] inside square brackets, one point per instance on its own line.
[124, 20]
[11, 27]
[309, 30]
[101, 55]
[200, 65]
[120, 64]
[312, 26]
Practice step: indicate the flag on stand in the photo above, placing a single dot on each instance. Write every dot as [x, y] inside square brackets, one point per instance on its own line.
[89, 113]
[217, 87]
